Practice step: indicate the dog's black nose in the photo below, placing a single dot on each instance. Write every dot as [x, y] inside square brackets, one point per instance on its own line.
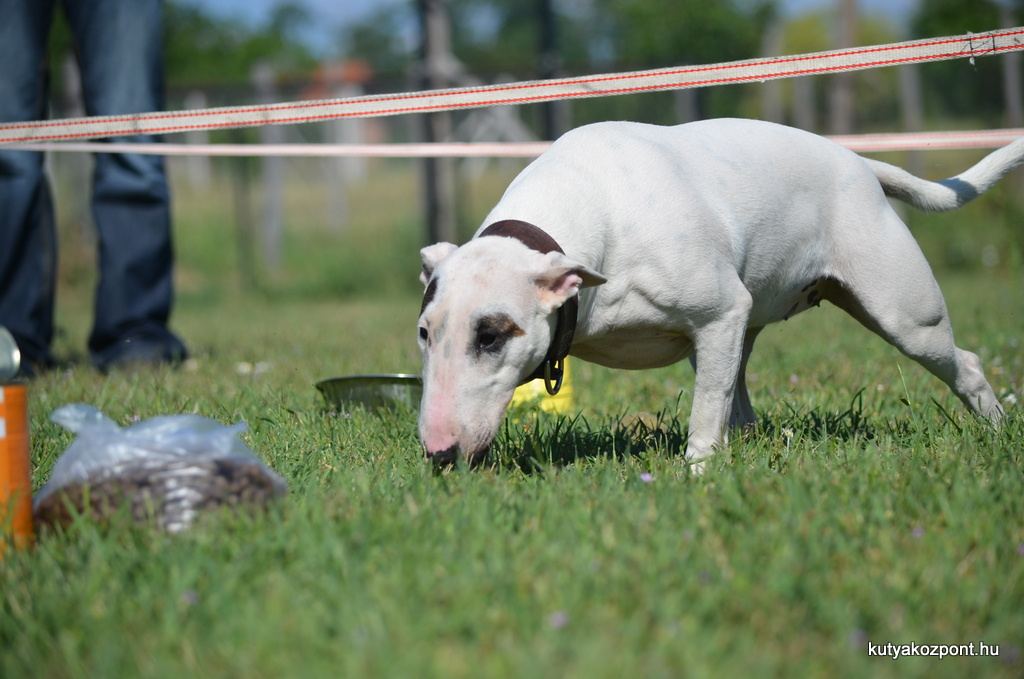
[445, 457]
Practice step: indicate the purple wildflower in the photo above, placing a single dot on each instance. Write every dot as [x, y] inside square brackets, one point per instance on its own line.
[558, 620]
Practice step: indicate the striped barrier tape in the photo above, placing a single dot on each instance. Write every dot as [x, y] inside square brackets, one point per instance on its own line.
[970, 45]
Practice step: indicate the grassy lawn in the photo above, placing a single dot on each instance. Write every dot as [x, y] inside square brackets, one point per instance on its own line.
[868, 509]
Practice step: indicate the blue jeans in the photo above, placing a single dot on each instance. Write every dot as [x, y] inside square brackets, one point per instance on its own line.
[119, 47]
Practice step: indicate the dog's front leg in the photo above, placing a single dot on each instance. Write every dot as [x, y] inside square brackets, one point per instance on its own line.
[742, 415]
[719, 349]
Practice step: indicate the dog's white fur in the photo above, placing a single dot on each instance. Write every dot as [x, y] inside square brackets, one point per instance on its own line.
[698, 236]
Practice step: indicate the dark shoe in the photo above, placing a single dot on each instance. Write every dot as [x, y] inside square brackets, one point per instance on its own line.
[144, 349]
[32, 368]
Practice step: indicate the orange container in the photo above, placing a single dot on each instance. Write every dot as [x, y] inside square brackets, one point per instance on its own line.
[15, 472]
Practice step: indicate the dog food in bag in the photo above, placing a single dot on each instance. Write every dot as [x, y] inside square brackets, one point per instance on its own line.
[167, 469]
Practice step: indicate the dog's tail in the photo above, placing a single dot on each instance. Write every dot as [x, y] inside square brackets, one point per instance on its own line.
[948, 194]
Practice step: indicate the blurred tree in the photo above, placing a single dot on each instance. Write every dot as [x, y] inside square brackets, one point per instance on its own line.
[502, 38]
[641, 34]
[206, 50]
[652, 33]
[381, 41]
[494, 37]
[875, 100]
[959, 88]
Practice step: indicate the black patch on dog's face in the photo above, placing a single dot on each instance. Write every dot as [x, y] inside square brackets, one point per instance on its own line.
[491, 333]
[428, 294]
[428, 297]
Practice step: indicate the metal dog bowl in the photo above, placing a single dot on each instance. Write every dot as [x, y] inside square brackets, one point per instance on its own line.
[10, 356]
[372, 391]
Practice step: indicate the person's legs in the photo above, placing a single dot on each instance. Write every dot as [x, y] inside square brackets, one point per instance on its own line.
[120, 47]
[28, 250]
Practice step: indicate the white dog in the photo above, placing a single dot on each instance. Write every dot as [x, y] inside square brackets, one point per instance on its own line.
[685, 241]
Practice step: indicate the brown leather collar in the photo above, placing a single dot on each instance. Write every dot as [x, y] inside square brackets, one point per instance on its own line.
[551, 368]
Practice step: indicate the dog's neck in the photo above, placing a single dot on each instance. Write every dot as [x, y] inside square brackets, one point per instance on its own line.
[565, 326]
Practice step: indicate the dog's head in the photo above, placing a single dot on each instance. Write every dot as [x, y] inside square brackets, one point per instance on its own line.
[486, 324]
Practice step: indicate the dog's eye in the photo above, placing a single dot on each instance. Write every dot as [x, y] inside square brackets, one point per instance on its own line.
[423, 334]
[486, 340]
[492, 333]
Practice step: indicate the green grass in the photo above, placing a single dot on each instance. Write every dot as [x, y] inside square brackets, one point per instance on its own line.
[867, 507]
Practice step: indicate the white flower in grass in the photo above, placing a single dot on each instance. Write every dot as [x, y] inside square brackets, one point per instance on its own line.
[254, 369]
[788, 433]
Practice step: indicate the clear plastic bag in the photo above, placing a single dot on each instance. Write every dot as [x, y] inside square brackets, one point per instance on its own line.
[167, 468]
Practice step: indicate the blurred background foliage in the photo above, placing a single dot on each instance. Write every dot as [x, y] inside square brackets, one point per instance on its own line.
[500, 39]
[354, 227]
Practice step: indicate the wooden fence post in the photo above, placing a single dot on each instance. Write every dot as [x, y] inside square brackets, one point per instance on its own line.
[841, 90]
[438, 173]
[264, 80]
[197, 167]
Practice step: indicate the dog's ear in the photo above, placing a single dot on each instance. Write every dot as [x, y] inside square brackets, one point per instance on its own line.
[431, 255]
[561, 277]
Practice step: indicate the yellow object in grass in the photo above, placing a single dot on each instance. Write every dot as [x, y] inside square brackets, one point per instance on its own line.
[533, 392]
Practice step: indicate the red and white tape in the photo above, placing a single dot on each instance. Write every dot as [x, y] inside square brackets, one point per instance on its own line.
[970, 46]
[928, 141]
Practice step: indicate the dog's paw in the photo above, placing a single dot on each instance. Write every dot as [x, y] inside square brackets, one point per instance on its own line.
[697, 467]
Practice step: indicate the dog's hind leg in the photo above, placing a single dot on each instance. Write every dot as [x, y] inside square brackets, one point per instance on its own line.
[891, 291]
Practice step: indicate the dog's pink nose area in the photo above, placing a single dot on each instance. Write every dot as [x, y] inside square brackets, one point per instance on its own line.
[438, 432]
